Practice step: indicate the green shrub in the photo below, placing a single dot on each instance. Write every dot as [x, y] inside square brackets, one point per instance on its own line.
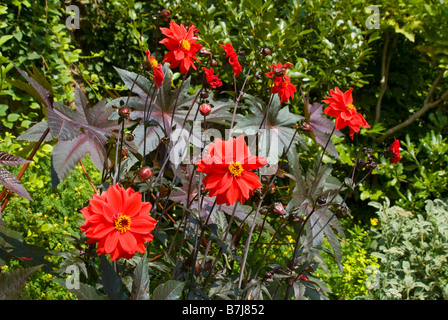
[357, 263]
[420, 175]
[412, 249]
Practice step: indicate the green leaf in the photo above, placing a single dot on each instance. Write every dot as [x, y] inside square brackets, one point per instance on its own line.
[12, 117]
[170, 290]
[13, 282]
[5, 38]
[3, 108]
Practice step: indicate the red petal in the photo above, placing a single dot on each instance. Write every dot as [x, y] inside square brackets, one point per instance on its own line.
[114, 197]
[102, 230]
[143, 225]
[133, 204]
[232, 194]
[128, 242]
[252, 163]
[170, 44]
[111, 241]
[244, 187]
[252, 179]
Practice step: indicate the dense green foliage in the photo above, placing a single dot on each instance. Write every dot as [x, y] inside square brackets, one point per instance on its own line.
[412, 249]
[399, 72]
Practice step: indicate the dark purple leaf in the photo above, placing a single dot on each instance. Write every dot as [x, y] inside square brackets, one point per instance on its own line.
[35, 133]
[38, 86]
[66, 155]
[80, 131]
[275, 130]
[11, 160]
[322, 127]
[167, 107]
[12, 184]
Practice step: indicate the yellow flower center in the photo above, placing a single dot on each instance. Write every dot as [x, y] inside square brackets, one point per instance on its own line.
[350, 106]
[123, 223]
[235, 169]
[153, 63]
[185, 45]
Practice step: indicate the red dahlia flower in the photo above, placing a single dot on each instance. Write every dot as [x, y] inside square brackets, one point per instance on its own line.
[182, 46]
[212, 79]
[156, 68]
[278, 70]
[394, 151]
[282, 83]
[119, 222]
[233, 58]
[228, 170]
[340, 105]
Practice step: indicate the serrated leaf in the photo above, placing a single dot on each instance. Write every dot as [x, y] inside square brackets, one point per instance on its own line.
[67, 154]
[322, 127]
[11, 183]
[81, 131]
[169, 108]
[299, 290]
[276, 132]
[170, 290]
[36, 86]
[11, 160]
[321, 220]
[35, 133]
[13, 282]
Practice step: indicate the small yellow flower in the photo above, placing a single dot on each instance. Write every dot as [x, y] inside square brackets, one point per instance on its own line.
[374, 221]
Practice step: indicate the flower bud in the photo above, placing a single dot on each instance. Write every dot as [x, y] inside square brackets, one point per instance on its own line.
[213, 63]
[304, 126]
[204, 53]
[129, 137]
[342, 211]
[205, 109]
[321, 200]
[165, 14]
[266, 51]
[204, 95]
[279, 209]
[124, 112]
[145, 173]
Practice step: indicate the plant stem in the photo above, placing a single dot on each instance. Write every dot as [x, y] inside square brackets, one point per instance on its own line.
[239, 97]
[88, 177]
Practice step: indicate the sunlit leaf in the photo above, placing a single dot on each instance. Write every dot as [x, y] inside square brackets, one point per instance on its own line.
[322, 127]
[170, 290]
[171, 110]
[79, 132]
[274, 127]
